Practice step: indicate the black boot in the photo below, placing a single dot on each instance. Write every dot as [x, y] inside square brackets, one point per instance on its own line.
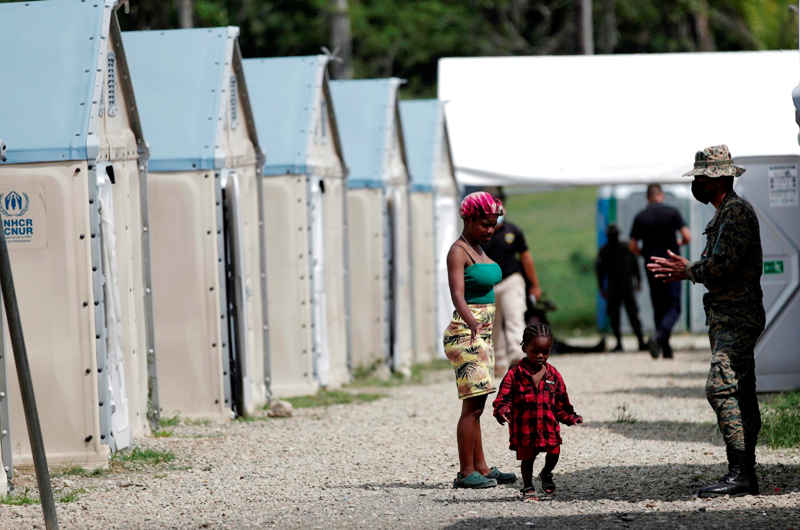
[751, 462]
[643, 346]
[735, 482]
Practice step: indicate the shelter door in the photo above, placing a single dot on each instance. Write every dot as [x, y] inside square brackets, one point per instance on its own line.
[117, 408]
[319, 303]
[237, 293]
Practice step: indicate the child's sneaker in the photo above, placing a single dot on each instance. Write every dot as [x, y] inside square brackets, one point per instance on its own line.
[548, 486]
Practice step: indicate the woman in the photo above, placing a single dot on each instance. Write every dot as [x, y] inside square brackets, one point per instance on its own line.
[468, 339]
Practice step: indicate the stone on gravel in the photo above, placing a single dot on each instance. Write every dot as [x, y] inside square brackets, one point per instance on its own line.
[280, 409]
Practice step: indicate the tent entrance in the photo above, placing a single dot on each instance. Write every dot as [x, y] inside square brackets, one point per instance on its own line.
[236, 294]
[111, 373]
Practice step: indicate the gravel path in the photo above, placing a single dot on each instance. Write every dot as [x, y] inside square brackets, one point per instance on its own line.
[390, 464]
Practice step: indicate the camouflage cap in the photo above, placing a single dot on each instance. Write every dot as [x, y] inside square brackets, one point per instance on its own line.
[714, 162]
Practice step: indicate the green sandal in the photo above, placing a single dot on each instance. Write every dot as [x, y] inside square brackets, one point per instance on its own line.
[474, 481]
[500, 477]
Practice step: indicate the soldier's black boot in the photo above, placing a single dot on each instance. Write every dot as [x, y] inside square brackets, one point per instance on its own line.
[751, 462]
[735, 482]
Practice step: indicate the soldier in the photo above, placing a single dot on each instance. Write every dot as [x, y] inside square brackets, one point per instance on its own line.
[618, 276]
[730, 268]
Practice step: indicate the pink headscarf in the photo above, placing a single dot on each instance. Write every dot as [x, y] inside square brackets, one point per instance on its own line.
[480, 204]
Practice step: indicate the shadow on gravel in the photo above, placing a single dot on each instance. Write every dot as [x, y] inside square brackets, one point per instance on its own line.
[698, 392]
[668, 483]
[391, 485]
[678, 375]
[668, 520]
[668, 431]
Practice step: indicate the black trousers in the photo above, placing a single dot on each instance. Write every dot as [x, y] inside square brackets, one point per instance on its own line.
[666, 298]
[617, 297]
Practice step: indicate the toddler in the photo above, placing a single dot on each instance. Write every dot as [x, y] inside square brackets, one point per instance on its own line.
[533, 400]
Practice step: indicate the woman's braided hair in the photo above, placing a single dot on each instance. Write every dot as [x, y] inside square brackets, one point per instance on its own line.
[534, 331]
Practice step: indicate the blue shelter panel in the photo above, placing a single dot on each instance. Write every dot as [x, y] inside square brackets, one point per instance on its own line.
[283, 92]
[422, 134]
[47, 74]
[177, 76]
[365, 115]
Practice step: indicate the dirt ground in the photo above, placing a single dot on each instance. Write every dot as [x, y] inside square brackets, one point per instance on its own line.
[649, 442]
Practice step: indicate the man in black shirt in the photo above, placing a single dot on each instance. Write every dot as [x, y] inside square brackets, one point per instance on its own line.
[656, 227]
[508, 249]
[618, 276]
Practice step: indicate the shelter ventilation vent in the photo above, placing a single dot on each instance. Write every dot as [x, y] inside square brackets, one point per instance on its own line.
[234, 103]
[112, 84]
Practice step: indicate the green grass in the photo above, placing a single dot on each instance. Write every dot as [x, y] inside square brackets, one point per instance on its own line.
[326, 398]
[173, 421]
[559, 228]
[200, 421]
[366, 377]
[139, 457]
[781, 421]
[79, 471]
[163, 433]
[19, 499]
[71, 496]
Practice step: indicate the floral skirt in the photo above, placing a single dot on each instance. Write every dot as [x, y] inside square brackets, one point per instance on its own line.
[473, 361]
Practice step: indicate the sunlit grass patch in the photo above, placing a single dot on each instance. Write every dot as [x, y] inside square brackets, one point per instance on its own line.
[72, 495]
[19, 499]
[197, 422]
[250, 418]
[170, 421]
[163, 433]
[326, 398]
[781, 421]
[138, 458]
[73, 470]
[370, 376]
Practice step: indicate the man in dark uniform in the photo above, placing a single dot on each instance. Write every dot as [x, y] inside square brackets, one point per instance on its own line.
[730, 269]
[656, 227]
[617, 268]
[508, 249]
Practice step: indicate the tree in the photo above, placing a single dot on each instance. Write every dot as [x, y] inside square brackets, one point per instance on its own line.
[341, 39]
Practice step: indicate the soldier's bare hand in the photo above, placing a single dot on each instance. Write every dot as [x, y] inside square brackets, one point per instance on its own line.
[669, 269]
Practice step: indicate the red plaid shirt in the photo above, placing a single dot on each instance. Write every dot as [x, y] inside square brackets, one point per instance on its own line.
[534, 413]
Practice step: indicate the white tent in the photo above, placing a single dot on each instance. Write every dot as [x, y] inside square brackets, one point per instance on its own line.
[613, 119]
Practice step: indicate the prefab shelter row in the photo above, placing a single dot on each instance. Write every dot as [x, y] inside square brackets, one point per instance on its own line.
[73, 198]
[435, 220]
[379, 222]
[305, 213]
[206, 217]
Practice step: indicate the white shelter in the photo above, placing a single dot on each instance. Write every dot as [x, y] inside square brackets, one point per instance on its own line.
[305, 211]
[613, 119]
[206, 213]
[435, 220]
[73, 197]
[379, 222]
[640, 119]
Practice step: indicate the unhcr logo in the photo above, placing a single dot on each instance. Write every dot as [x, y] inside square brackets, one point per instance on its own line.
[14, 204]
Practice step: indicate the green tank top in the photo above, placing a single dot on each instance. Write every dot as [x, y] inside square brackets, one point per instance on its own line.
[479, 282]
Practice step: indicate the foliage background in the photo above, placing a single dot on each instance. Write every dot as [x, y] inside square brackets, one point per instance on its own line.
[406, 38]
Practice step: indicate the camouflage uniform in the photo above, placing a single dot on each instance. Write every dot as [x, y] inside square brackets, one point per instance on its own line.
[731, 270]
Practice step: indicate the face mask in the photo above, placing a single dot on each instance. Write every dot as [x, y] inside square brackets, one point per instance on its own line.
[700, 192]
[500, 220]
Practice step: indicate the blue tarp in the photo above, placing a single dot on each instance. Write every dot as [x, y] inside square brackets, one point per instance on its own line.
[177, 77]
[283, 92]
[47, 75]
[423, 133]
[365, 115]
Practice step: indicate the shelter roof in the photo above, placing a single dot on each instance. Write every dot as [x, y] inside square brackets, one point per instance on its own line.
[366, 111]
[585, 120]
[178, 76]
[426, 139]
[285, 91]
[48, 67]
